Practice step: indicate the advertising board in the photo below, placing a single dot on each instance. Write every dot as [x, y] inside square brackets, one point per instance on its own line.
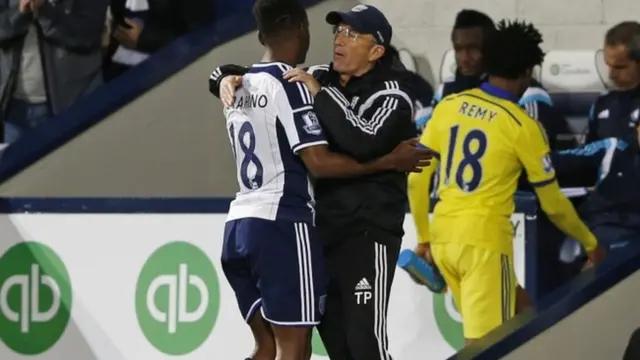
[150, 286]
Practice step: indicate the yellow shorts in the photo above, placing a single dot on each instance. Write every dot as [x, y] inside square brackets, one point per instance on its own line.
[483, 284]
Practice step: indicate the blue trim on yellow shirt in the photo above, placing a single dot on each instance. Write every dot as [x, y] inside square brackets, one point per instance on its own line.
[498, 92]
[542, 183]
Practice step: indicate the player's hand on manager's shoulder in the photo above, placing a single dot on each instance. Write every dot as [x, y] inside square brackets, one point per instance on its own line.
[228, 86]
[408, 157]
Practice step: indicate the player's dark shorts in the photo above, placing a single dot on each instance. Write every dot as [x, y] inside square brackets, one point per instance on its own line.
[276, 266]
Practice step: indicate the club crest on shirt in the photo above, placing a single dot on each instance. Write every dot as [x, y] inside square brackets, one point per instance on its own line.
[311, 124]
[546, 164]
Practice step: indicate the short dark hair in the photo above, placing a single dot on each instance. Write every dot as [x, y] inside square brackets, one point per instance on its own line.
[513, 50]
[275, 17]
[626, 33]
[468, 19]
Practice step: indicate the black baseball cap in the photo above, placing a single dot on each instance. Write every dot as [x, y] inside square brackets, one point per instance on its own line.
[364, 19]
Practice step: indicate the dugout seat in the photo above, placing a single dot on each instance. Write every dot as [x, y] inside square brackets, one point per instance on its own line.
[447, 66]
[574, 78]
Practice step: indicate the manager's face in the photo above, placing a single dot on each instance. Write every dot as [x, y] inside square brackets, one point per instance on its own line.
[353, 52]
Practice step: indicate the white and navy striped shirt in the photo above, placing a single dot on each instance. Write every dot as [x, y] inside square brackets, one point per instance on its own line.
[270, 122]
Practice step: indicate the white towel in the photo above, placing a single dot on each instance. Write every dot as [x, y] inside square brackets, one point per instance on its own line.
[575, 192]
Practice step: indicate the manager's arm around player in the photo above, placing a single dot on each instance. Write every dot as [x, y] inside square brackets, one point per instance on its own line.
[381, 116]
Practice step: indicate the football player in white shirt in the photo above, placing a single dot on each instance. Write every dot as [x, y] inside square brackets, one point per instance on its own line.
[270, 254]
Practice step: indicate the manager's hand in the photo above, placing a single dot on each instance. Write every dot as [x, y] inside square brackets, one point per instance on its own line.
[299, 75]
[407, 157]
[228, 86]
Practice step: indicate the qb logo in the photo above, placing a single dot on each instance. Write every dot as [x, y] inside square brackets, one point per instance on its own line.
[363, 292]
[177, 298]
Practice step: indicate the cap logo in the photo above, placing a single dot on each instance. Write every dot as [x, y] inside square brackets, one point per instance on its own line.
[380, 37]
[359, 8]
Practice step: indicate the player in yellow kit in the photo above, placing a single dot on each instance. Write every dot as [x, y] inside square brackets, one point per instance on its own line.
[484, 140]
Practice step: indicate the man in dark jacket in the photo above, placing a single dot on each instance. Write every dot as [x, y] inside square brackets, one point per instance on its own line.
[610, 168]
[49, 58]
[365, 110]
[611, 112]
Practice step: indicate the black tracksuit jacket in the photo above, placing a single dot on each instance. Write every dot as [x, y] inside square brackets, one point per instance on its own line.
[365, 120]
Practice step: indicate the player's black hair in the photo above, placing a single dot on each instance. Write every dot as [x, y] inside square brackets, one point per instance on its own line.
[626, 33]
[469, 19]
[275, 17]
[513, 50]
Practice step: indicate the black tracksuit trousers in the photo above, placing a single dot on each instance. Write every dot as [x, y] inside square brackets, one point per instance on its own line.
[361, 270]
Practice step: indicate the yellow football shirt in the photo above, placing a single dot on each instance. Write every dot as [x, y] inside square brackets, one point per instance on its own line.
[484, 140]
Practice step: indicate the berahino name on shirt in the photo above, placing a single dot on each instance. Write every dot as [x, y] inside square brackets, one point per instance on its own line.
[252, 101]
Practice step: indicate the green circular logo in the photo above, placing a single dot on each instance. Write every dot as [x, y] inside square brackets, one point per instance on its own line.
[317, 347]
[177, 298]
[35, 298]
[448, 320]
[554, 69]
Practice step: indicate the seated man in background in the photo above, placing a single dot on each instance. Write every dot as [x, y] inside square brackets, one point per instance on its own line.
[50, 58]
[610, 113]
[484, 140]
[470, 31]
[612, 209]
[142, 27]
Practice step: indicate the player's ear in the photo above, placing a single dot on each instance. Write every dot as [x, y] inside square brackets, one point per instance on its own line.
[260, 38]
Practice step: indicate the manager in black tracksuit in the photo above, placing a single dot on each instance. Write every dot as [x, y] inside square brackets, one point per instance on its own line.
[366, 111]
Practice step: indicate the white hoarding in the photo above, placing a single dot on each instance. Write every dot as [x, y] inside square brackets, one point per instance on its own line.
[140, 286]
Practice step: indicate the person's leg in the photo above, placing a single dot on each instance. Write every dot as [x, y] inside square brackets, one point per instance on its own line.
[367, 275]
[11, 133]
[615, 239]
[445, 257]
[15, 120]
[22, 116]
[265, 344]
[36, 115]
[236, 253]
[488, 291]
[292, 285]
[523, 300]
[332, 328]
